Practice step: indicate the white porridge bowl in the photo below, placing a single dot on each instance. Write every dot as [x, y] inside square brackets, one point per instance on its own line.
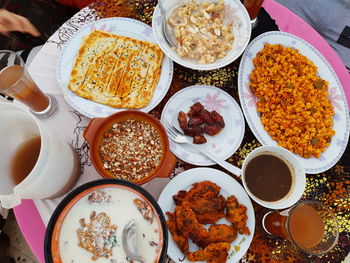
[235, 13]
[88, 224]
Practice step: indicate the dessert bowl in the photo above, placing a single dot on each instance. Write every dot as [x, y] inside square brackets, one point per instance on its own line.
[88, 224]
[129, 145]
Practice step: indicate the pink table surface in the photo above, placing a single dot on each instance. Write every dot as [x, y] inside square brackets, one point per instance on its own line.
[27, 214]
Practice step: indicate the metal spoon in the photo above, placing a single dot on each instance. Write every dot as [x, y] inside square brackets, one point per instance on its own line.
[169, 37]
[129, 241]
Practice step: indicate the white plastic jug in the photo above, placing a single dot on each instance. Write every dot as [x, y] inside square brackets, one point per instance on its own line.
[56, 169]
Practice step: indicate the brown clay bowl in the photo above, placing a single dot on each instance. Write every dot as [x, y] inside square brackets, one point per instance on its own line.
[98, 126]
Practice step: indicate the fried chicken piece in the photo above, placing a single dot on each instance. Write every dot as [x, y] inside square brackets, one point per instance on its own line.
[213, 253]
[179, 239]
[188, 224]
[182, 120]
[203, 198]
[221, 233]
[207, 210]
[237, 215]
[199, 139]
[178, 199]
[204, 189]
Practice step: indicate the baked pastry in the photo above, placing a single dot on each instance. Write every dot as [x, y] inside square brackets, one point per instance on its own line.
[118, 71]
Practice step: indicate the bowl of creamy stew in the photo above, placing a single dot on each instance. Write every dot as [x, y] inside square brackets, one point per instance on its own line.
[87, 225]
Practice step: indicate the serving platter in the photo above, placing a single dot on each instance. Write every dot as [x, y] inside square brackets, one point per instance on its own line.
[229, 186]
[116, 25]
[224, 144]
[341, 123]
[241, 31]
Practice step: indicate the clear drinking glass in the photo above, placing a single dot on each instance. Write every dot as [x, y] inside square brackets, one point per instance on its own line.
[310, 225]
[253, 7]
[16, 82]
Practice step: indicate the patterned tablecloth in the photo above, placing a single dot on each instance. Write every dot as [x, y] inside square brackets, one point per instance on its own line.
[331, 187]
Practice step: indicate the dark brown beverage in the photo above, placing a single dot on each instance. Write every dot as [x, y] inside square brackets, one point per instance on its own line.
[15, 82]
[25, 159]
[253, 7]
[268, 177]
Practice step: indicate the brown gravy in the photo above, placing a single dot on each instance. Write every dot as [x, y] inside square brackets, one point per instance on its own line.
[268, 177]
[25, 159]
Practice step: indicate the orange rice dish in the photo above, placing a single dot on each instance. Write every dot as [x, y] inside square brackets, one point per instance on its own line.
[292, 100]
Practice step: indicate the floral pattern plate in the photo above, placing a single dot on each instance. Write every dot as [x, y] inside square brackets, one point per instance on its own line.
[336, 94]
[236, 12]
[229, 186]
[224, 144]
[117, 25]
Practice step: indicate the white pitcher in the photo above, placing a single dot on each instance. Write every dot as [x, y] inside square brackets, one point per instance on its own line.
[56, 170]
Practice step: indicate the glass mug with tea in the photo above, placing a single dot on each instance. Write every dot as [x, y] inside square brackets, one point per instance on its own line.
[253, 7]
[16, 82]
[310, 225]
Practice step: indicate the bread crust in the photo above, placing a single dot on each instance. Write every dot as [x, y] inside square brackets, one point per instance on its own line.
[115, 70]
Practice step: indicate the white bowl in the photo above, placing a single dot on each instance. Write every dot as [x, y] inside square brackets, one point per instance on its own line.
[241, 32]
[298, 173]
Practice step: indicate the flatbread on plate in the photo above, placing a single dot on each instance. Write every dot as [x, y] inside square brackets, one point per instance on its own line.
[118, 71]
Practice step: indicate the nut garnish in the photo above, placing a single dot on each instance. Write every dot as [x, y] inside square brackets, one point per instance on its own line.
[131, 150]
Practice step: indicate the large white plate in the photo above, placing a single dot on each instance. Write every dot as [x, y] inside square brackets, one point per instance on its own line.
[241, 31]
[336, 94]
[224, 144]
[120, 26]
[229, 186]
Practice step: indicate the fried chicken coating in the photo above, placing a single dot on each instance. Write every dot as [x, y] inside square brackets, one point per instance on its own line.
[207, 211]
[204, 200]
[188, 224]
[204, 189]
[179, 239]
[237, 215]
[221, 233]
[213, 253]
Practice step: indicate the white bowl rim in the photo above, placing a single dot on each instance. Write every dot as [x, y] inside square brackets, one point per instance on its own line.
[188, 63]
[298, 186]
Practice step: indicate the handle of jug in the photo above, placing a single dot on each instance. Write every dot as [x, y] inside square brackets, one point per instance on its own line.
[10, 201]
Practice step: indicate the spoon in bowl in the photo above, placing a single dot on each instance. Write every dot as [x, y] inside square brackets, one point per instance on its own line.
[129, 241]
[168, 35]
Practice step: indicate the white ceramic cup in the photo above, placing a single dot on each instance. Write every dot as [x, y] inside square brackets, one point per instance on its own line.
[56, 169]
[298, 176]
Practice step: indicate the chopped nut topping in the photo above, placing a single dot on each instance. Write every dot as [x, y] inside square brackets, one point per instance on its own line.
[97, 237]
[131, 150]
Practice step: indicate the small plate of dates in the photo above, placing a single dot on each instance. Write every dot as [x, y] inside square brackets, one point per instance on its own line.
[211, 119]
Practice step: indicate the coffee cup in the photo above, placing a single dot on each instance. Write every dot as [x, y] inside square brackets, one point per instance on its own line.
[273, 177]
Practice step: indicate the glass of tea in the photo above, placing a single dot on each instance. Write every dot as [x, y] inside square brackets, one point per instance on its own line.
[310, 225]
[16, 82]
[253, 7]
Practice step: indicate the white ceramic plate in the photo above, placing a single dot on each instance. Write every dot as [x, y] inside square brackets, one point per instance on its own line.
[241, 31]
[117, 25]
[229, 186]
[224, 144]
[336, 94]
